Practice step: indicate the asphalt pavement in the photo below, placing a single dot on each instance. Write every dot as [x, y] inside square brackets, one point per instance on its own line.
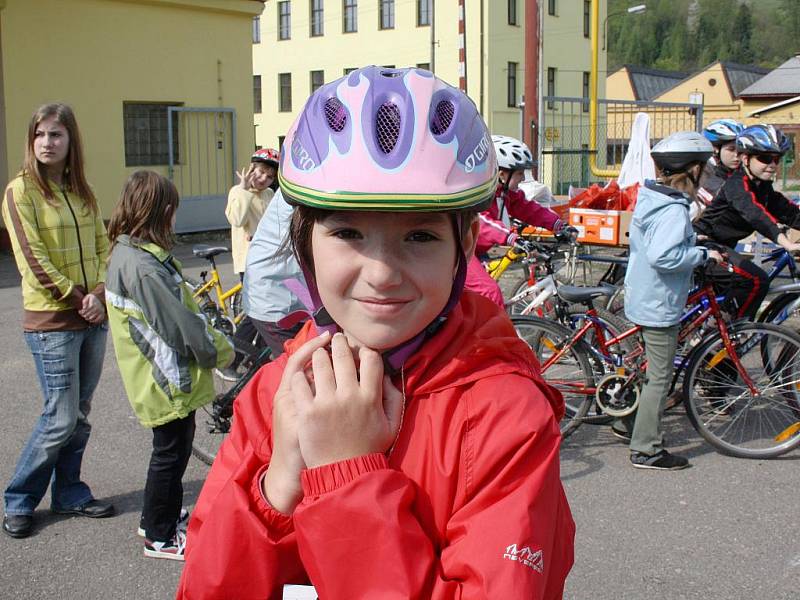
[724, 529]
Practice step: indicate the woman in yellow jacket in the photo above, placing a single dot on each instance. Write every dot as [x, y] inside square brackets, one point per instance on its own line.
[60, 247]
[247, 203]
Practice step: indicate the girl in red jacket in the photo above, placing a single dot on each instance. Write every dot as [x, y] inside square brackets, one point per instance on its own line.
[513, 158]
[403, 446]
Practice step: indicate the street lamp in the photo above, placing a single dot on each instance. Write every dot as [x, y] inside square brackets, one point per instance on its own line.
[633, 10]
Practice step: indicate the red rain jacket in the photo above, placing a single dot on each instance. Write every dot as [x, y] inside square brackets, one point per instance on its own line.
[468, 504]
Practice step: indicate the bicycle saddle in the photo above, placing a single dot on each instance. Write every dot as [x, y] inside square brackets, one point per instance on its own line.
[204, 251]
[580, 293]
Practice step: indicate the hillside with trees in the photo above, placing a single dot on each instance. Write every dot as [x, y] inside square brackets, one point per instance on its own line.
[689, 34]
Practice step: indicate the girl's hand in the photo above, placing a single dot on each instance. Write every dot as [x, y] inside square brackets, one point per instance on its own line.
[282, 482]
[246, 177]
[92, 309]
[352, 411]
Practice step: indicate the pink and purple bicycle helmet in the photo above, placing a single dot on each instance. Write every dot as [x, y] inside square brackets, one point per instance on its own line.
[389, 139]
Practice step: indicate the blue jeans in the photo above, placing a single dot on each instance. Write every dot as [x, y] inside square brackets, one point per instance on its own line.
[68, 364]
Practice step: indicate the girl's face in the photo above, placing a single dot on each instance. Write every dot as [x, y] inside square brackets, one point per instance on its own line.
[383, 277]
[763, 166]
[514, 178]
[728, 156]
[51, 144]
[263, 176]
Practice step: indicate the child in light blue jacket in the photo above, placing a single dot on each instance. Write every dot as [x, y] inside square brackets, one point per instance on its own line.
[662, 257]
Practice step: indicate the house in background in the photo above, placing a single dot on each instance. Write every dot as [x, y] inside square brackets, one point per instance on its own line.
[139, 75]
[631, 82]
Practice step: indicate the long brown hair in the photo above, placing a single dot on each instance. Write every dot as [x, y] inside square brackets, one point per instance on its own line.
[74, 175]
[145, 209]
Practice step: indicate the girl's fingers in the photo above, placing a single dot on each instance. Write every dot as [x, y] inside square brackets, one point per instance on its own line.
[302, 394]
[299, 359]
[324, 378]
[371, 370]
[344, 365]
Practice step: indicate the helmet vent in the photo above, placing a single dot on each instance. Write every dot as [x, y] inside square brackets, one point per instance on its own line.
[442, 117]
[335, 114]
[387, 126]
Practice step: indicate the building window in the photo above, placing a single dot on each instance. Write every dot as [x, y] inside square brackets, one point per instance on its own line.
[350, 12]
[256, 30]
[285, 92]
[317, 19]
[423, 12]
[387, 14]
[146, 137]
[317, 80]
[551, 7]
[426, 66]
[586, 79]
[512, 12]
[284, 20]
[512, 84]
[587, 19]
[280, 142]
[257, 93]
[551, 86]
[348, 70]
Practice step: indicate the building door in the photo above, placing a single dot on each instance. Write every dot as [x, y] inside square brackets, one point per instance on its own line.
[202, 164]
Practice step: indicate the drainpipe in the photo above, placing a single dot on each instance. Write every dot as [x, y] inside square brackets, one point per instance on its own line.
[433, 36]
[593, 104]
[530, 119]
[482, 63]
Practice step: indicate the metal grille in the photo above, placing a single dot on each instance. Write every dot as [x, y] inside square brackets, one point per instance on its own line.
[387, 126]
[442, 117]
[564, 135]
[335, 114]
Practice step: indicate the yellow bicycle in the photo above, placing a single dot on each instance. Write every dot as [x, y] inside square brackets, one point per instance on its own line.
[224, 312]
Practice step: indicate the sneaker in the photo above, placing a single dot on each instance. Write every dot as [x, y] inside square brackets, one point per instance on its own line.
[171, 550]
[228, 374]
[661, 461]
[625, 436]
[183, 522]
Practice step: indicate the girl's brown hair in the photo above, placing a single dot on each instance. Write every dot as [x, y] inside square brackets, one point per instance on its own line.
[74, 175]
[145, 209]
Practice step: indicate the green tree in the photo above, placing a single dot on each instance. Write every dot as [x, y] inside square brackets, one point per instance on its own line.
[740, 40]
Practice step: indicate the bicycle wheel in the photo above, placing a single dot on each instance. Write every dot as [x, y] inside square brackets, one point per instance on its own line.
[780, 311]
[524, 294]
[572, 374]
[723, 408]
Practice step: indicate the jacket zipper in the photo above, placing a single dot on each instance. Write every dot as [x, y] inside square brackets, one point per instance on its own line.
[80, 245]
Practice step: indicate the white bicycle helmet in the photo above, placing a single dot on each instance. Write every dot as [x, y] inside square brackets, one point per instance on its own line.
[512, 154]
[676, 152]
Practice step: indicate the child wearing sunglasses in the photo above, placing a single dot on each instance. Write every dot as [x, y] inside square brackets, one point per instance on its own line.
[746, 203]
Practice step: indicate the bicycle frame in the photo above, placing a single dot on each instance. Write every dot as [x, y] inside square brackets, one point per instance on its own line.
[215, 283]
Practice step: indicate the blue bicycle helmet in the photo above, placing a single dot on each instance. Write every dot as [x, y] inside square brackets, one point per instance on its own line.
[722, 131]
[762, 139]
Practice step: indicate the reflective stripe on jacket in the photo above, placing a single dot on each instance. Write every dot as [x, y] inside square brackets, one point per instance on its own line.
[165, 348]
[468, 504]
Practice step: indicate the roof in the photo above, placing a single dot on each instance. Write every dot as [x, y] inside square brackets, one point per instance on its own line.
[760, 111]
[649, 83]
[741, 76]
[783, 81]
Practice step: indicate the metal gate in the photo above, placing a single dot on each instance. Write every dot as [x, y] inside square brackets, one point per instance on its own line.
[202, 164]
[564, 135]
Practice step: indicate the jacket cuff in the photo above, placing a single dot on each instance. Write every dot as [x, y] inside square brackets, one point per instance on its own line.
[74, 297]
[277, 522]
[100, 292]
[333, 476]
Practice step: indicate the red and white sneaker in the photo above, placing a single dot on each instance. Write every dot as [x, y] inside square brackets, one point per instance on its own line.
[182, 524]
[171, 550]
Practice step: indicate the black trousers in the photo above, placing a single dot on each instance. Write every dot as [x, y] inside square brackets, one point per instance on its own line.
[163, 492]
[745, 288]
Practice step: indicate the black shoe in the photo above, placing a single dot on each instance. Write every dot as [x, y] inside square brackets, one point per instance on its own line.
[662, 461]
[94, 509]
[18, 526]
[625, 436]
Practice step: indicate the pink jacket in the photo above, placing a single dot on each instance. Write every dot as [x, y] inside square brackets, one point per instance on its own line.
[468, 504]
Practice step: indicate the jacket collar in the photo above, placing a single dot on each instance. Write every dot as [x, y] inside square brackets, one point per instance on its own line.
[157, 251]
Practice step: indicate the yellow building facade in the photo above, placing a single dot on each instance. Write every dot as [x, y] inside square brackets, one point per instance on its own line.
[121, 64]
[302, 43]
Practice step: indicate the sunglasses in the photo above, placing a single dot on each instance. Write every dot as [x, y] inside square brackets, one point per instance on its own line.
[768, 159]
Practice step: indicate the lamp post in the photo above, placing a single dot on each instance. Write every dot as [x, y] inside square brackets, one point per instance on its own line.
[595, 75]
[633, 10]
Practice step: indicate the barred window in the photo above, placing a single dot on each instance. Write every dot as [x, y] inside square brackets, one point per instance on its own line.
[284, 20]
[285, 92]
[423, 12]
[387, 14]
[350, 16]
[146, 137]
[317, 80]
[512, 12]
[317, 18]
[256, 30]
[256, 93]
[551, 85]
[512, 85]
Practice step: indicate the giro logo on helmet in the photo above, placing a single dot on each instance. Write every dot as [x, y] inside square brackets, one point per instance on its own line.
[301, 156]
[478, 155]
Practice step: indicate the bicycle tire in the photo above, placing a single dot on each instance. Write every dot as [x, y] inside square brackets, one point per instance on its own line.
[571, 372]
[776, 307]
[724, 411]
